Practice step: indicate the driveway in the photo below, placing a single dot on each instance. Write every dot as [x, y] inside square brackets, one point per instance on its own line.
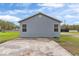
[32, 47]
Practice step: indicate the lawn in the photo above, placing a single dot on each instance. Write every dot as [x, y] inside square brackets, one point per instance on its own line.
[6, 36]
[70, 43]
[71, 32]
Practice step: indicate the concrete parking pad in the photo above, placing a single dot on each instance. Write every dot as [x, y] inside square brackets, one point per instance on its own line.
[32, 47]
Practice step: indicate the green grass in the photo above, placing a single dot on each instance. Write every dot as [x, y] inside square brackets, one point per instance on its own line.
[70, 43]
[6, 36]
[71, 32]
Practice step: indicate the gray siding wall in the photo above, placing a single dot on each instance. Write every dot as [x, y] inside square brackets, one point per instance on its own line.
[40, 26]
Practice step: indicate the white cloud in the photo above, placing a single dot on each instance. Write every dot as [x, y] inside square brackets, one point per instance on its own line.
[16, 11]
[23, 4]
[76, 10]
[74, 5]
[51, 5]
[72, 16]
[76, 22]
[70, 11]
[11, 12]
[9, 18]
[69, 16]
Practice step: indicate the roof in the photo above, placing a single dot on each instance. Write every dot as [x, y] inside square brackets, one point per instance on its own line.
[40, 14]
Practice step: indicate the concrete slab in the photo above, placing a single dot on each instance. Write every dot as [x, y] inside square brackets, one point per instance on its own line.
[32, 47]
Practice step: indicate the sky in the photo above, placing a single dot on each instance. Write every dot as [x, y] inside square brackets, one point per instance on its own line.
[68, 13]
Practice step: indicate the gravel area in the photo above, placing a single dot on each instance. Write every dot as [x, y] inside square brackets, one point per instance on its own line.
[32, 47]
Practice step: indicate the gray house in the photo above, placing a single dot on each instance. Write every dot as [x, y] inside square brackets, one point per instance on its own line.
[40, 25]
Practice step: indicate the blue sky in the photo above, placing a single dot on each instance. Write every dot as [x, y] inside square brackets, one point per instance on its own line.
[14, 12]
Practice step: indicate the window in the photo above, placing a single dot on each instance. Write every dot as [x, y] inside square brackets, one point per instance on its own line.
[55, 27]
[24, 28]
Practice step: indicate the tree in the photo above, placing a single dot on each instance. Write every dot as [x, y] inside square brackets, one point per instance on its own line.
[70, 27]
[6, 25]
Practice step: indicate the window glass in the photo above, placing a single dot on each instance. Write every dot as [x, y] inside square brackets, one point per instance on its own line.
[55, 27]
[24, 28]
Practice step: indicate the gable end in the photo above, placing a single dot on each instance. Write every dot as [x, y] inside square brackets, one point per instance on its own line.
[40, 14]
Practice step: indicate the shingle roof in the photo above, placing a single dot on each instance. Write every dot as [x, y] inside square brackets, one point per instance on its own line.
[40, 14]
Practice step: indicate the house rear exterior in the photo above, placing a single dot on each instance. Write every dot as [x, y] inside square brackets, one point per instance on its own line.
[40, 25]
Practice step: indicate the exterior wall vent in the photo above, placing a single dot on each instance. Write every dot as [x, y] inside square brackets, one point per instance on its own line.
[39, 16]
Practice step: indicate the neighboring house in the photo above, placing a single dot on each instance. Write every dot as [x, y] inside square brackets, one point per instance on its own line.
[40, 25]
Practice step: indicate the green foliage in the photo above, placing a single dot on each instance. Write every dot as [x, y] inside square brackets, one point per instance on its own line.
[66, 38]
[6, 25]
[8, 36]
[70, 27]
[70, 43]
